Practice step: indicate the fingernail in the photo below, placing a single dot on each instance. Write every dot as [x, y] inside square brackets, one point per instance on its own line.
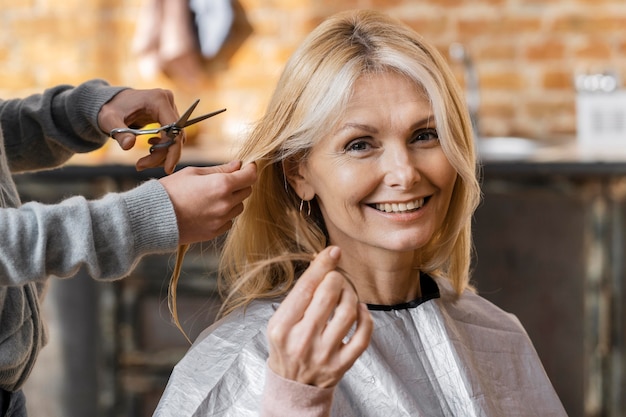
[126, 143]
[335, 252]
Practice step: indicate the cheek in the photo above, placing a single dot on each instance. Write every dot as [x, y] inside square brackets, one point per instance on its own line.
[444, 174]
[340, 180]
[448, 181]
[443, 177]
[340, 190]
[447, 189]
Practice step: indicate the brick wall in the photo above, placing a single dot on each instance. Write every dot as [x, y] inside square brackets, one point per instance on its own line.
[527, 53]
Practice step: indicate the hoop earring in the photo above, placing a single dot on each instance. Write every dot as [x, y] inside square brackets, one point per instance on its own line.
[308, 210]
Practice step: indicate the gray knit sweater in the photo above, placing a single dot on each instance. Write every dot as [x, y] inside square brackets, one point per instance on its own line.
[106, 237]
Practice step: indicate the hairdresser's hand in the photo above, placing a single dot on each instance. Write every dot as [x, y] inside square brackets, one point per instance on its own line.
[207, 199]
[306, 333]
[137, 108]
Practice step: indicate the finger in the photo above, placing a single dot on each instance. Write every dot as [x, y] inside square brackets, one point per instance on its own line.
[225, 228]
[235, 211]
[213, 227]
[360, 340]
[167, 113]
[137, 108]
[154, 140]
[295, 304]
[155, 159]
[344, 315]
[226, 168]
[242, 180]
[158, 155]
[326, 303]
[243, 176]
[173, 154]
[125, 140]
[240, 195]
[246, 176]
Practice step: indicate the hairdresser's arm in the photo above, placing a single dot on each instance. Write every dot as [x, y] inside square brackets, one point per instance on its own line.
[108, 236]
[306, 338]
[45, 130]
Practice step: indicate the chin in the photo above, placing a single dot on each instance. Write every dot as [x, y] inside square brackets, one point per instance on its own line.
[402, 247]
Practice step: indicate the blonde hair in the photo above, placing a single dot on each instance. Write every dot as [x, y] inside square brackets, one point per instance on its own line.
[270, 243]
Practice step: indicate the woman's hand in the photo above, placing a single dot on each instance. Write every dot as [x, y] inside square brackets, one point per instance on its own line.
[307, 332]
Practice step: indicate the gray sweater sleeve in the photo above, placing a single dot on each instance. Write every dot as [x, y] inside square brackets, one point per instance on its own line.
[106, 237]
[44, 130]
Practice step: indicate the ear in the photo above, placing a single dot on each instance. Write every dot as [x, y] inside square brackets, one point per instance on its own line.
[297, 175]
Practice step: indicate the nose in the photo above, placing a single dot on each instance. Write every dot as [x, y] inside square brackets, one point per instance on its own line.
[401, 170]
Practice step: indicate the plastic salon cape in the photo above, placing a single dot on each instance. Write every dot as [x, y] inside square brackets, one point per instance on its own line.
[441, 355]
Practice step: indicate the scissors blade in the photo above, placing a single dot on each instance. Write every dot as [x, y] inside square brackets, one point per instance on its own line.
[174, 129]
[203, 117]
[181, 123]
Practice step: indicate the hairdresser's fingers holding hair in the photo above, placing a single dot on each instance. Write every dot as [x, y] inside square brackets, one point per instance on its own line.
[206, 199]
[308, 333]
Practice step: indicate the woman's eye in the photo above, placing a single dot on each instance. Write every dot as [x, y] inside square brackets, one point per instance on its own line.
[358, 145]
[425, 135]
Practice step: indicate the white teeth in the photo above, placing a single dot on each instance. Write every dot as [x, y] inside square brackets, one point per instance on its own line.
[400, 207]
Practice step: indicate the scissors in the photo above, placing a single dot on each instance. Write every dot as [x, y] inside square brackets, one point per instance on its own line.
[171, 130]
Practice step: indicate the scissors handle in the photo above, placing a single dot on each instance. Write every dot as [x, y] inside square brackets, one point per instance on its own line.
[171, 130]
[137, 132]
[161, 145]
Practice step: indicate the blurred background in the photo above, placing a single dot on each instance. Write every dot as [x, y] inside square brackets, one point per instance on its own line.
[549, 234]
[527, 53]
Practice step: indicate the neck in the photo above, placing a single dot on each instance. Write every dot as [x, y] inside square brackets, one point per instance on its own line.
[386, 282]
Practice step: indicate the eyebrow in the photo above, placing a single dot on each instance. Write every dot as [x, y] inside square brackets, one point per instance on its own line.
[359, 126]
[424, 121]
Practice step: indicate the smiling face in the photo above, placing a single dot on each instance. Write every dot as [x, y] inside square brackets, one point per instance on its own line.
[381, 179]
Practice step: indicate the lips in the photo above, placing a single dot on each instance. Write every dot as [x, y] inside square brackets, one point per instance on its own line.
[400, 207]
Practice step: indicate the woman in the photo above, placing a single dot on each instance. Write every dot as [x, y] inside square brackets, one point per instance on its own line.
[348, 271]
